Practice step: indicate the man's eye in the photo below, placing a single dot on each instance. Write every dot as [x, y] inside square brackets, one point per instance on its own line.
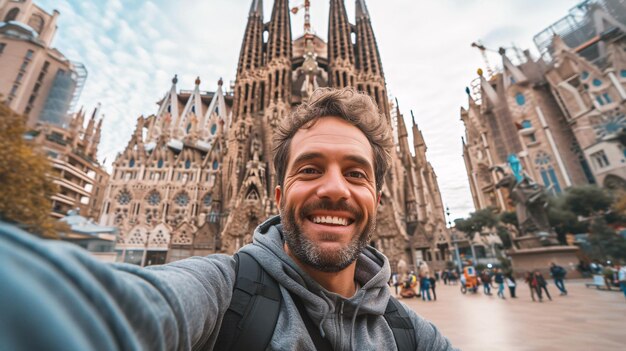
[356, 174]
[309, 170]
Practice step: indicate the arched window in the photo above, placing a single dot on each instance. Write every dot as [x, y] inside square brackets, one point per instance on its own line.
[12, 14]
[36, 23]
[543, 163]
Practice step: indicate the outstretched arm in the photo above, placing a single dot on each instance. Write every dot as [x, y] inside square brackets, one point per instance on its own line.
[55, 296]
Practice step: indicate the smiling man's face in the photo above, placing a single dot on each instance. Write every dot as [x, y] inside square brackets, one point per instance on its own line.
[328, 199]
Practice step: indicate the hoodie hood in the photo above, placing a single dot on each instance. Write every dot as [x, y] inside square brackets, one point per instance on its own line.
[372, 274]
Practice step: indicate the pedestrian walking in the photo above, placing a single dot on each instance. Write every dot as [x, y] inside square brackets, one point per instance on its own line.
[499, 279]
[558, 274]
[485, 278]
[433, 282]
[425, 287]
[541, 284]
[510, 282]
[444, 276]
[530, 280]
[395, 281]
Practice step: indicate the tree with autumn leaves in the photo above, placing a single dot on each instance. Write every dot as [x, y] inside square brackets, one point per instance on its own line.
[25, 188]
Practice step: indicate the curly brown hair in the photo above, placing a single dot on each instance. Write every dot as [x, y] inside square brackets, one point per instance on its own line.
[354, 107]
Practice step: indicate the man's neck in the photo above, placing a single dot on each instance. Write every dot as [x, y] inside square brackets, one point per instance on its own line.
[341, 282]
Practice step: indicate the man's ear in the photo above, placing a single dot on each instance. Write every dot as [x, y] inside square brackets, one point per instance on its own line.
[277, 196]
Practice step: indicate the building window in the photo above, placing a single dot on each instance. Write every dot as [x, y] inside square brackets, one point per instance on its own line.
[526, 124]
[12, 15]
[124, 197]
[182, 199]
[596, 82]
[584, 75]
[187, 164]
[36, 23]
[24, 65]
[621, 73]
[600, 159]
[29, 54]
[532, 137]
[13, 90]
[154, 198]
[520, 99]
[213, 128]
[215, 165]
[543, 162]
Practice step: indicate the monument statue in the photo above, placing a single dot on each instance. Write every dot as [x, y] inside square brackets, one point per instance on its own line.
[531, 201]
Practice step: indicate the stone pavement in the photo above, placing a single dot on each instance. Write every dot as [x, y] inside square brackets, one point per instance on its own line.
[586, 319]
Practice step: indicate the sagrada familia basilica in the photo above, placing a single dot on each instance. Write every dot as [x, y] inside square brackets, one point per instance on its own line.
[196, 176]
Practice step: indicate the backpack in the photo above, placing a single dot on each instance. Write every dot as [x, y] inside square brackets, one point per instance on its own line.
[250, 320]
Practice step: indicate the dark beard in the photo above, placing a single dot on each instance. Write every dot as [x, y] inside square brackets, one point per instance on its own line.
[309, 253]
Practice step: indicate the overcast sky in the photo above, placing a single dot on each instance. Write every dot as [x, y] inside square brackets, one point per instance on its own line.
[133, 48]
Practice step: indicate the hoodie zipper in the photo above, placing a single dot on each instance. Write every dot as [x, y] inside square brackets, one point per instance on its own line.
[340, 338]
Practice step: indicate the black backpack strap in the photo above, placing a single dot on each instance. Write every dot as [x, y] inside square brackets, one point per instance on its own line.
[401, 325]
[320, 343]
[250, 320]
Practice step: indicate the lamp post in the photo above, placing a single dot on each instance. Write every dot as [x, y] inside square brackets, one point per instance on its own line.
[454, 241]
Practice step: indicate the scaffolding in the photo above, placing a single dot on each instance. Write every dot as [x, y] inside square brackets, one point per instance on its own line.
[577, 29]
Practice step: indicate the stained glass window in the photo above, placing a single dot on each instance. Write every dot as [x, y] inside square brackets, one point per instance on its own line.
[124, 197]
[207, 200]
[182, 199]
[520, 99]
[154, 198]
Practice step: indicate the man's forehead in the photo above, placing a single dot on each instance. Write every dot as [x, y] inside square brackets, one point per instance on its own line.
[331, 134]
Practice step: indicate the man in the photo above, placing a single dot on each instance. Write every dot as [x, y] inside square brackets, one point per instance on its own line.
[330, 159]
[485, 277]
[558, 274]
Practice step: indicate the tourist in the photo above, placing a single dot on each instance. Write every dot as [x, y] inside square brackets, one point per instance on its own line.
[485, 278]
[499, 279]
[444, 276]
[330, 156]
[532, 284]
[558, 274]
[425, 287]
[395, 281]
[510, 282]
[433, 282]
[541, 284]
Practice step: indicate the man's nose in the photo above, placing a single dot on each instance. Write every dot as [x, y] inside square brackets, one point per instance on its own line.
[333, 186]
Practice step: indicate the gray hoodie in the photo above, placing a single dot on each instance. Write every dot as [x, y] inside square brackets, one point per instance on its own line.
[65, 300]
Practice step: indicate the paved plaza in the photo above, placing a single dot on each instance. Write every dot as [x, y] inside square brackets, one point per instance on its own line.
[586, 319]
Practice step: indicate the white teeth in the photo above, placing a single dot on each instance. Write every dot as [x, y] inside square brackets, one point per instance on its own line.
[330, 220]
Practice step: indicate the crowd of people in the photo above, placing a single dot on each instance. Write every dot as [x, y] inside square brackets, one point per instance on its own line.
[422, 284]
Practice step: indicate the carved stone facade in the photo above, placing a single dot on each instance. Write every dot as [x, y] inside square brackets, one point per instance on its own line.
[560, 115]
[199, 172]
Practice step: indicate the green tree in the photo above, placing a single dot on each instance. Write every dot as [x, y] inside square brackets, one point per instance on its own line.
[587, 200]
[605, 243]
[25, 189]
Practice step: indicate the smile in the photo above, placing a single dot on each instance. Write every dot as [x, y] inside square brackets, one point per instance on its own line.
[335, 220]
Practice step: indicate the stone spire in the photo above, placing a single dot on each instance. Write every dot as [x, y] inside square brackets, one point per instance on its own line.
[251, 54]
[368, 57]
[370, 76]
[91, 124]
[340, 48]
[279, 42]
